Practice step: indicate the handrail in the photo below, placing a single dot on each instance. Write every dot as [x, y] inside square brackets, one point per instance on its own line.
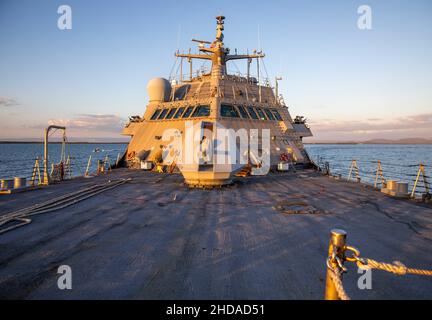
[418, 180]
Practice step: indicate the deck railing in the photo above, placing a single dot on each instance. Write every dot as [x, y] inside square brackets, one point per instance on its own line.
[377, 173]
[67, 169]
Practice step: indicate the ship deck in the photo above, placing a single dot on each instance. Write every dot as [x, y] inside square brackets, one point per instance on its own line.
[154, 238]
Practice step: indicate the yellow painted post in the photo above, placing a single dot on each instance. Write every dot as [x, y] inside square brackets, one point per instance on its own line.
[88, 166]
[376, 175]
[336, 251]
[354, 167]
[100, 167]
[109, 163]
[33, 178]
[106, 164]
[46, 173]
[350, 170]
[421, 171]
[425, 181]
[379, 174]
[38, 172]
[415, 182]
[68, 167]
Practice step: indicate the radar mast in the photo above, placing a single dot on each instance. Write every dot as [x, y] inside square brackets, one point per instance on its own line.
[217, 53]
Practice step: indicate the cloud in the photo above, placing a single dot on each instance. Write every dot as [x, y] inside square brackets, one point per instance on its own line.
[92, 122]
[396, 124]
[8, 102]
[419, 125]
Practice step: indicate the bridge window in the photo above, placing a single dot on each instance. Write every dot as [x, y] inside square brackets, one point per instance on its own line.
[228, 111]
[201, 111]
[171, 113]
[277, 115]
[155, 114]
[269, 114]
[252, 113]
[179, 113]
[188, 112]
[261, 114]
[163, 114]
[243, 112]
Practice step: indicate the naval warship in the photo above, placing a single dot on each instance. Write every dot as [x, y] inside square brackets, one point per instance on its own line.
[213, 101]
[144, 234]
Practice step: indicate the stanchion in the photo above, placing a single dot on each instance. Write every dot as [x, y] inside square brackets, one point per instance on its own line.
[354, 166]
[336, 257]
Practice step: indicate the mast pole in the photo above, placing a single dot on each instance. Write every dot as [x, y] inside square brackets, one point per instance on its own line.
[277, 88]
[259, 84]
[248, 68]
[181, 69]
[190, 69]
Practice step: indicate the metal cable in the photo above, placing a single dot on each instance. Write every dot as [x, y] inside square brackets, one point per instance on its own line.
[56, 204]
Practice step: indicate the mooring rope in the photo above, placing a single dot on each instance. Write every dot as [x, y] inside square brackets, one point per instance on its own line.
[23, 215]
[396, 267]
[337, 281]
[335, 273]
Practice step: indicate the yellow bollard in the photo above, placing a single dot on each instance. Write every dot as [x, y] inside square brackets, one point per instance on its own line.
[336, 250]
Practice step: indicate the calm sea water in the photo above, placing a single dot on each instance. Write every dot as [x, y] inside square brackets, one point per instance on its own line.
[399, 162]
[18, 159]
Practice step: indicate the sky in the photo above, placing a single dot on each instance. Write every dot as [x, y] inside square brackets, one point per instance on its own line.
[351, 84]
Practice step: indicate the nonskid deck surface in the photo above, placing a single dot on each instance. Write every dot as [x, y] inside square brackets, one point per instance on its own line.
[154, 238]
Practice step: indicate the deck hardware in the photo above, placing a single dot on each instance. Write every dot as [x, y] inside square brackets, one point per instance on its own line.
[46, 176]
[421, 171]
[354, 166]
[336, 257]
[379, 174]
[88, 167]
[36, 173]
[334, 289]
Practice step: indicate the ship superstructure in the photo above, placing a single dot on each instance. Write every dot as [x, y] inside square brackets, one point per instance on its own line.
[208, 101]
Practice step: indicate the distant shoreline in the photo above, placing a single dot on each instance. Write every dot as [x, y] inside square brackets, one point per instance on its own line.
[306, 143]
[369, 143]
[414, 141]
[59, 142]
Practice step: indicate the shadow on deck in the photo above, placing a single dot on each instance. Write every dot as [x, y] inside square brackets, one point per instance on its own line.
[154, 238]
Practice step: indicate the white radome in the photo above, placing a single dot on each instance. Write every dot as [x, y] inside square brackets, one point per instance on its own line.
[159, 90]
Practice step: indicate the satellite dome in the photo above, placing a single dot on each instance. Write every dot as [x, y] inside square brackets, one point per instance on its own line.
[159, 90]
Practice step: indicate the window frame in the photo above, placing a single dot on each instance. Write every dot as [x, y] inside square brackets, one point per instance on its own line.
[155, 114]
[259, 110]
[254, 115]
[184, 115]
[179, 113]
[162, 115]
[277, 115]
[232, 108]
[269, 114]
[197, 108]
[245, 115]
[171, 113]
